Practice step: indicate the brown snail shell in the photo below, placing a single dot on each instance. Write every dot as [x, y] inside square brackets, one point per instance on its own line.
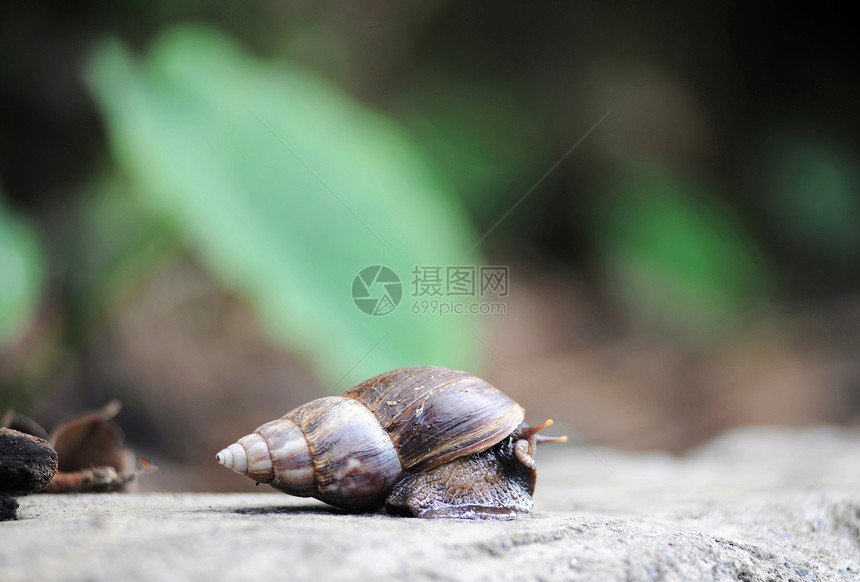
[353, 450]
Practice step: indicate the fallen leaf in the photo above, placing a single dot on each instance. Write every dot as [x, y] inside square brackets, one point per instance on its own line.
[91, 455]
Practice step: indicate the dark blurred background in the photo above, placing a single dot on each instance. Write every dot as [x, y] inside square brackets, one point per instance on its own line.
[187, 190]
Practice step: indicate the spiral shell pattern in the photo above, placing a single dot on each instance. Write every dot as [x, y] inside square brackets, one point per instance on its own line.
[351, 450]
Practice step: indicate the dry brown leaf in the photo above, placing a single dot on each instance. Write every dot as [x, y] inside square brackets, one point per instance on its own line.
[90, 450]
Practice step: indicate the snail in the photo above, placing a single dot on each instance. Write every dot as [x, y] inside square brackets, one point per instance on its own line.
[421, 441]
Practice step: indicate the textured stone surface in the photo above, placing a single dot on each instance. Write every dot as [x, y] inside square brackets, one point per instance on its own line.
[8, 507]
[27, 463]
[755, 505]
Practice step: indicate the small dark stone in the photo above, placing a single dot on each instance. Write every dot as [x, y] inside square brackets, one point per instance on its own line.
[27, 463]
[8, 507]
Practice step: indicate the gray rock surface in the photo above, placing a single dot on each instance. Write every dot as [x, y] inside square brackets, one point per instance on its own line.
[754, 505]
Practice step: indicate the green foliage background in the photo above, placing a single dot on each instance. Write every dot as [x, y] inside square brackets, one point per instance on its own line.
[283, 147]
[285, 188]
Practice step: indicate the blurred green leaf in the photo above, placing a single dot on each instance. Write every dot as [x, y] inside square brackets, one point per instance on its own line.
[22, 275]
[813, 195]
[675, 256]
[286, 188]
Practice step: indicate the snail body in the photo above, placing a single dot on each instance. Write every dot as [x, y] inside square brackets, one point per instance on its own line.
[422, 441]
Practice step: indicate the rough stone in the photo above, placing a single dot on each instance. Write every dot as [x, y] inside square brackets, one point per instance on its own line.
[755, 505]
[27, 463]
[8, 507]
